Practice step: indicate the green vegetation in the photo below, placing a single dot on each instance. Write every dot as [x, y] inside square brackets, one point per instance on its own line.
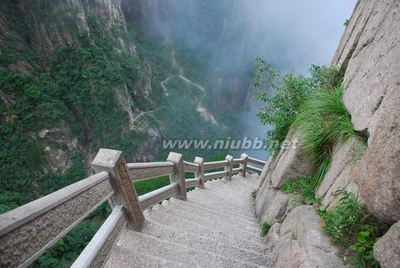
[285, 94]
[67, 249]
[314, 107]
[73, 92]
[351, 226]
[265, 228]
[254, 194]
[323, 121]
[302, 186]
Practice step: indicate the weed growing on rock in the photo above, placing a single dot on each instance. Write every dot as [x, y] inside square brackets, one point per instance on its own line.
[323, 121]
[342, 223]
[285, 93]
[265, 228]
[350, 226]
[254, 194]
[303, 186]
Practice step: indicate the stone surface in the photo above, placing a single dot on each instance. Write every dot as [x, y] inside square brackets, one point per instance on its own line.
[338, 176]
[19, 245]
[199, 232]
[299, 241]
[290, 162]
[273, 205]
[370, 53]
[387, 249]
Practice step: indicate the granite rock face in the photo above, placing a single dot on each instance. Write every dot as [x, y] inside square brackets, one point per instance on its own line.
[370, 53]
[272, 205]
[339, 176]
[299, 242]
[387, 249]
[290, 162]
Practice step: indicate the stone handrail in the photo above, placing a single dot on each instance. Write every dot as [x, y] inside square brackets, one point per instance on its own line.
[215, 164]
[257, 161]
[145, 171]
[27, 231]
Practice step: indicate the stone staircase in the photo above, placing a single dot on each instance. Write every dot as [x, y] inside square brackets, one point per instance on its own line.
[215, 227]
[207, 220]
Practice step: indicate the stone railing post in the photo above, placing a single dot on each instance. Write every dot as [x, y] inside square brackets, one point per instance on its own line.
[200, 172]
[228, 167]
[243, 165]
[114, 163]
[179, 174]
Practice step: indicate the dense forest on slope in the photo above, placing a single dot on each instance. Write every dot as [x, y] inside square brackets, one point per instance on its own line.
[76, 77]
[80, 75]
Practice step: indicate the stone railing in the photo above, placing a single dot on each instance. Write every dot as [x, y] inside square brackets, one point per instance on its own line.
[27, 231]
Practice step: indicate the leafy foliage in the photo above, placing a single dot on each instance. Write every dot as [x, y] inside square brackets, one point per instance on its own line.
[67, 249]
[76, 90]
[284, 94]
[351, 226]
[342, 223]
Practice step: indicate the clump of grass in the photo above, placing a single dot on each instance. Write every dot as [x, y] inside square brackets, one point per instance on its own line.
[288, 93]
[265, 228]
[342, 223]
[254, 194]
[323, 121]
[350, 226]
[303, 186]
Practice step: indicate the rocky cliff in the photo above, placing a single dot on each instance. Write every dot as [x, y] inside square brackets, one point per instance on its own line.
[369, 53]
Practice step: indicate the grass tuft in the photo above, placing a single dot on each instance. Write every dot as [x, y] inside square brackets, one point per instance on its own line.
[254, 194]
[303, 186]
[351, 226]
[323, 121]
[265, 228]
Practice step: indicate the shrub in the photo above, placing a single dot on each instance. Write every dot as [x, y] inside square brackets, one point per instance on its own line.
[284, 95]
[265, 228]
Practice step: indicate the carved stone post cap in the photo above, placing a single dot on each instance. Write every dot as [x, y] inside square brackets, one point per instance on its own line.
[199, 160]
[106, 158]
[229, 158]
[244, 155]
[174, 157]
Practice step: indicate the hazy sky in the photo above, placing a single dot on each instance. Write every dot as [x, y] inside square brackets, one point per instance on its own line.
[295, 34]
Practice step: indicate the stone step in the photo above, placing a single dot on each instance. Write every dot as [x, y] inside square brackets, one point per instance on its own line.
[207, 218]
[219, 205]
[121, 258]
[220, 188]
[188, 226]
[193, 240]
[233, 185]
[221, 199]
[196, 204]
[216, 224]
[229, 187]
[226, 198]
[211, 212]
[137, 242]
[241, 183]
